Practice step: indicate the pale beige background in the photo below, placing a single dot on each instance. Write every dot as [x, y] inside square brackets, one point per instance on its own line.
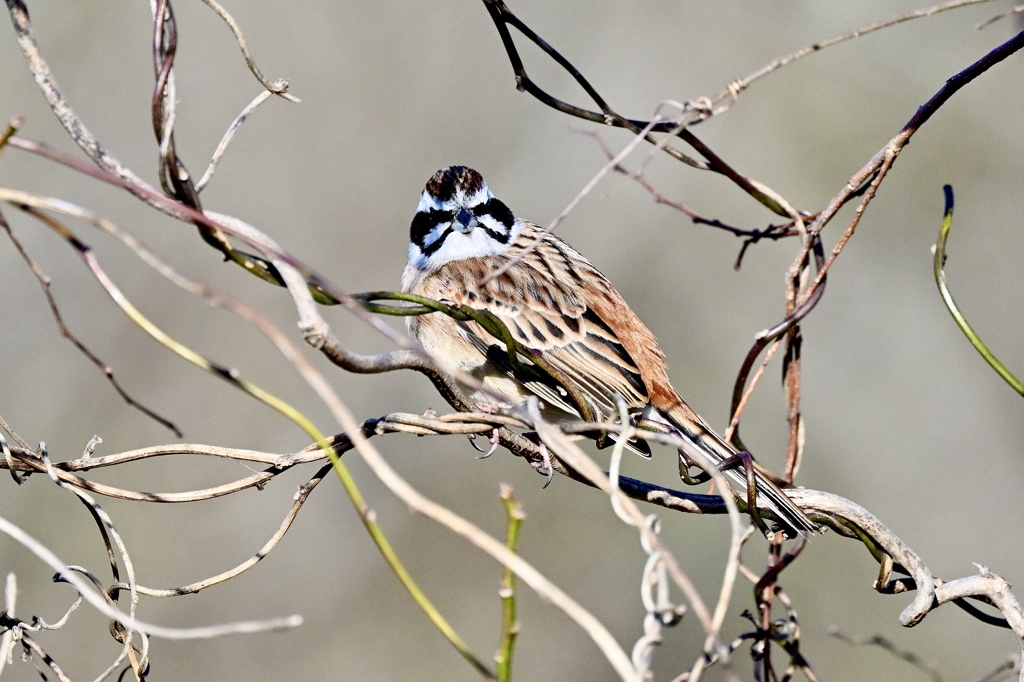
[902, 416]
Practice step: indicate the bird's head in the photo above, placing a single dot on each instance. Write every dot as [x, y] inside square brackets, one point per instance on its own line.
[458, 218]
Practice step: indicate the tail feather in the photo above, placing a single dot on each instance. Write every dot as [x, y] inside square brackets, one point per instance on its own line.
[708, 444]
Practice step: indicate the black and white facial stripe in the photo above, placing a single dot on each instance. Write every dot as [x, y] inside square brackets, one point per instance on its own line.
[458, 218]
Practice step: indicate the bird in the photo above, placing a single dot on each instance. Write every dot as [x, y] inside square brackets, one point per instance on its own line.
[467, 248]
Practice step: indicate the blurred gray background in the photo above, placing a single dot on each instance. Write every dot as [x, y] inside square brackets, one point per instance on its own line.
[902, 416]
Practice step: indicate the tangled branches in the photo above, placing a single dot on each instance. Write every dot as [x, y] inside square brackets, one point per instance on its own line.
[776, 646]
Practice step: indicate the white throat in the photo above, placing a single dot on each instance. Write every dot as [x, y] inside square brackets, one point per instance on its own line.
[459, 245]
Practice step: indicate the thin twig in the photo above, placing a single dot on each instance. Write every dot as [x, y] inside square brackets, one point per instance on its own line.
[232, 377]
[300, 499]
[44, 284]
[869, 176]
[229, 134]
[107, 528]
[731, 93]
[503, 17]
[888, 645]
[86, 589]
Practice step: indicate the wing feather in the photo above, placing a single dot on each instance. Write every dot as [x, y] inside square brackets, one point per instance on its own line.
[552, 303]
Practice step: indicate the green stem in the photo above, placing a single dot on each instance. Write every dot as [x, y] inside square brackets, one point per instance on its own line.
[509, 624]
[366, 514]
[947, 297]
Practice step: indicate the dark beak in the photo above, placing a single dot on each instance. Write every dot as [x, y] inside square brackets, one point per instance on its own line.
[464, 221]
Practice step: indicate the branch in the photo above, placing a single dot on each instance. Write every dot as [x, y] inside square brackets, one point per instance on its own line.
[85, 588]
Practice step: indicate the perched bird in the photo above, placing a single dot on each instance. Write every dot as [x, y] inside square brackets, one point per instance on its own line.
[555, 303]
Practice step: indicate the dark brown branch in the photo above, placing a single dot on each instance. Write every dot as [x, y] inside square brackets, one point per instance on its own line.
[843, 516]
[751, 236]
[865, 182]
[502, 17]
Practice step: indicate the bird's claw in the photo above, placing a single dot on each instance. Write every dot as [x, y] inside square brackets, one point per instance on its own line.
[494, 439]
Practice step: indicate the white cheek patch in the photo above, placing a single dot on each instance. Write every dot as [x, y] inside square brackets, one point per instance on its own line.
[436, 233]
[496, 228]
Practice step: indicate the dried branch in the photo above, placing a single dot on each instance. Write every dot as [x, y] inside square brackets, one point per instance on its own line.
[503, 17]
[751, 236]
[86, 590]
[300, 498]
[8, 619]
[44, 284]
[729, 96]
[297, 285]
[139, 655]
[845, 517]
[870, 177]
[229, 134]
[889, 646]
[308, 288]
[278, 87]
[698, 110]
[38, 654]
[999, 17]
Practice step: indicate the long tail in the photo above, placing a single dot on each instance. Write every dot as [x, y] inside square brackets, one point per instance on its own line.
[712, 446]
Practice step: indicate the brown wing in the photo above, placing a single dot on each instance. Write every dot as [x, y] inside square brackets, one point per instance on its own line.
[556, 302]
